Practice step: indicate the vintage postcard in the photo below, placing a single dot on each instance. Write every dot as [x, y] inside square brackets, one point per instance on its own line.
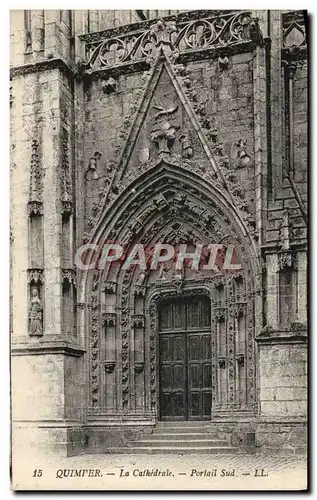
[158, 234]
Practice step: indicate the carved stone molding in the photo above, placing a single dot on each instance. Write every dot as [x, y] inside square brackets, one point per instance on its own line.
[65, 174]
[67, 208]
[219, 281]
[94, 311]
[220, 314]
[138, 367]
[36, 174]
[240, 359]
[221, 362]
[36, 276]
[293, 335]
[109, 319]
[35, 208]
[238, 309]
[81, 305]
[109, 287]
[140, 290]
[48, 346]
[286, 260]
[125, 336]
[70, 276]
[137, 320]
[109, 366]
[46, 65]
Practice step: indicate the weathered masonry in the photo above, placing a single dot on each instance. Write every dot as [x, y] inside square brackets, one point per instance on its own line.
[147, 126]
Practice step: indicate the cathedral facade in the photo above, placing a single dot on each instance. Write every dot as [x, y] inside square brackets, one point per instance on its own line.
[144, 127]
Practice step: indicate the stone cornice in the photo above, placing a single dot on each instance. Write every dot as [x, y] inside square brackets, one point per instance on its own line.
[296, 334]
[44, 65]
[273, 248]
[43, 346]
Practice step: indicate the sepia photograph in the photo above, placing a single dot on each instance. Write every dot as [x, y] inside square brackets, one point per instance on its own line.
[158, 249]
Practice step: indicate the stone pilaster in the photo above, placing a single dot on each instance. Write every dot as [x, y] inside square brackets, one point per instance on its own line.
[272, 290]
[276, 104]
[260, 137]
[301, 287]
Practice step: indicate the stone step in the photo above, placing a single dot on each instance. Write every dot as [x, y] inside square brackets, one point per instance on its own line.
[185, 436]
[180, 450]
[182, 423]
[178, 430]
[188, 443]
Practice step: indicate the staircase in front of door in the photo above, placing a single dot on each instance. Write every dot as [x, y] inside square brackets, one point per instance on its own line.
[179, 438]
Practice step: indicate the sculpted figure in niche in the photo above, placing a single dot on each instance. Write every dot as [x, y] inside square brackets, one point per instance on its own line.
[35, 314]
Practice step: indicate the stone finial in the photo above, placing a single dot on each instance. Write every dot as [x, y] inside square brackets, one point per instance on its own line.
[161, 35]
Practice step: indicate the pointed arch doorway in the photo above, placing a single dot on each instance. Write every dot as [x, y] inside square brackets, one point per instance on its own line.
[185, 358]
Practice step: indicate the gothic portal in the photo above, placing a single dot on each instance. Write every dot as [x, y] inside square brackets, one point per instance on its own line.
[180, 128]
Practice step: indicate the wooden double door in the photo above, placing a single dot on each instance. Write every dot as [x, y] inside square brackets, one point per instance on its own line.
[185, 359]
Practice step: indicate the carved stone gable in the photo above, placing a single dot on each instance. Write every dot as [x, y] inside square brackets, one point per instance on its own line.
[165, 129]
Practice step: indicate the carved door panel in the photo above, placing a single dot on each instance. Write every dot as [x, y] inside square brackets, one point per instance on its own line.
[173, 376]
[199, 376]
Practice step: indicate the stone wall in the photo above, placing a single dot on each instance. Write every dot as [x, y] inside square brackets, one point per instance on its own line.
[283, 380]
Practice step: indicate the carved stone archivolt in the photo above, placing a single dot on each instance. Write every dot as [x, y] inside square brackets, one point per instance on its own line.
[94, 330]
[167, 199]
[128, 285]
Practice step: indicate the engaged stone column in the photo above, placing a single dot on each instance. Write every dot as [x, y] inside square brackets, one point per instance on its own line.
[272, 290]
[301, 287]
[51, 187]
